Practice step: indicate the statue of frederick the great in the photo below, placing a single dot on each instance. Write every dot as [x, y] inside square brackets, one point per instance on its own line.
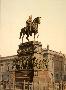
[31, 27]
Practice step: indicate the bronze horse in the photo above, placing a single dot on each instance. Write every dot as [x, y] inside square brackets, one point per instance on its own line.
[34, 29]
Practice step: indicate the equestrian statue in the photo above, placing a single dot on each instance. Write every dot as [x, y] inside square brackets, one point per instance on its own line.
[31, 27]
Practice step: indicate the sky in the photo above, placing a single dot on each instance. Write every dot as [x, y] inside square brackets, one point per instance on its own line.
[13, 16]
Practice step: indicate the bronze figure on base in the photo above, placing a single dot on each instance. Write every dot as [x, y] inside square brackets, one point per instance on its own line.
[31, 27]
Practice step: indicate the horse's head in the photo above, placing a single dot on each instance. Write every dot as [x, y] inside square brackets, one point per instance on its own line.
[37, 20]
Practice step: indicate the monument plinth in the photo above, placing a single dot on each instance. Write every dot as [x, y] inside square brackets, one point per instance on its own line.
[29, 63]
[29, 54]
[29, 47]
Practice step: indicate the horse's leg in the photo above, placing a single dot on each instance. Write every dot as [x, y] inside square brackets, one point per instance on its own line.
[22, 38]
[34, 36]
[38, 36]
[27, 38]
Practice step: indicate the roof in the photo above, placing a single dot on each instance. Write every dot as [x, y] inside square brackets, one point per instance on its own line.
[8, 58]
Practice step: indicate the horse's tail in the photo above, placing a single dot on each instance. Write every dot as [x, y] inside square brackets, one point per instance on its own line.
[20, 34]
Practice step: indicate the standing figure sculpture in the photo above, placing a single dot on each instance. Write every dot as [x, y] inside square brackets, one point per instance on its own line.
[31, 27]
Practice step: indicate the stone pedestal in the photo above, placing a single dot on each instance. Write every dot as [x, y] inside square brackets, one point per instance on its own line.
[29, 61]
[30, 55]
[30, 66]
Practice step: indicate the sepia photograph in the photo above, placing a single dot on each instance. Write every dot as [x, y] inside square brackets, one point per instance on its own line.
[32, 44]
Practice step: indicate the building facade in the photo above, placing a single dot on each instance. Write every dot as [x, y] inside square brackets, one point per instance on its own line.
[33, 68]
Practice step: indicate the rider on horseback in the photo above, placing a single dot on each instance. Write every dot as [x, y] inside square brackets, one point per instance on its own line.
[31, 28]
[28, 23]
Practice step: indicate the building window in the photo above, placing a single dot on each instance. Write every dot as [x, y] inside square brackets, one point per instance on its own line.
[26, 86]
[2, 68]
[44, 88]
[64, 77]
[64, 67]
[57, 76]
[35, 73]
[60, 65]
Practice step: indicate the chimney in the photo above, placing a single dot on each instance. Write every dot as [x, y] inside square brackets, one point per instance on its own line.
[47, 47]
